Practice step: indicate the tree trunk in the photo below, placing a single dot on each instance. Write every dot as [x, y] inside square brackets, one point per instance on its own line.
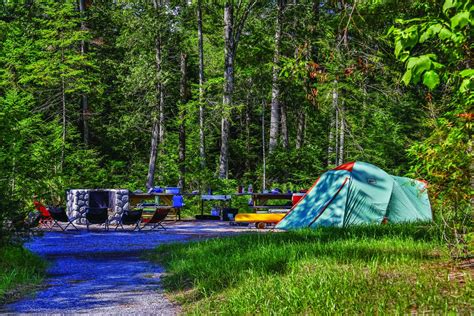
[247, 132]
[275, 107]
[300, 129]
[264, 176]
[183, 91]
[228, 88]
[157, 133]
[63, 106]
[231, 40]
[336, 136]
[202, 143]
[284, 127]
[332, 124]
[150, 179]
[342, 131]
[84, 99]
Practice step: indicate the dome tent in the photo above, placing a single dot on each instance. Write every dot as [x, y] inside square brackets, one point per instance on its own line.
[358, 193]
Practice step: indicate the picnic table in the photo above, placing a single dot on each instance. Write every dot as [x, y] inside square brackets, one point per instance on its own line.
[159, 200]
[214, 197]
[260, 200]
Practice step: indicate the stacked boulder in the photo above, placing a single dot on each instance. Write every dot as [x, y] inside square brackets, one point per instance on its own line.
[78, 201]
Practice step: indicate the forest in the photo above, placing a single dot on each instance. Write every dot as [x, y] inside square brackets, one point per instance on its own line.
[214, 94]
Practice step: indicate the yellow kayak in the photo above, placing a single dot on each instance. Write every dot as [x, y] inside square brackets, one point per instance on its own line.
[271, 218]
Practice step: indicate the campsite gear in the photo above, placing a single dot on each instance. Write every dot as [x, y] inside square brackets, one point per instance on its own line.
[152, 201]
[172, 190]
[228, 214]
[215, 211]
[358, 193]
[296, 198]
[97, 215]
[58, 214]
[33, 219]
[178, 201]
[45, 218]
[261, 202]
[132, 217]
[224, 201]
[260, 220]
[156, 220]
[155, 190]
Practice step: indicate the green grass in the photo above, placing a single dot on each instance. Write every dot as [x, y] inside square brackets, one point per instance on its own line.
[20, 271]
[391, 269]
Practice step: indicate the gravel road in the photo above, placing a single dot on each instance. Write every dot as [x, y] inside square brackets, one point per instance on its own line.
[104, 272]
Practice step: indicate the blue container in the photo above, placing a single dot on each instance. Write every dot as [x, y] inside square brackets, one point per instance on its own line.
[172, 190]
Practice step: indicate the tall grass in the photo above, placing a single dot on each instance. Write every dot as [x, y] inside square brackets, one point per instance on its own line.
[19, 270]
[365, 269]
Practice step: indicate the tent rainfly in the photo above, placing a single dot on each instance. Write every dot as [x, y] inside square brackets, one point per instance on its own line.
[358, 193]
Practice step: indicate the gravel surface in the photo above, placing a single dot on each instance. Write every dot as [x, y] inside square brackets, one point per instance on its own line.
[104, 272]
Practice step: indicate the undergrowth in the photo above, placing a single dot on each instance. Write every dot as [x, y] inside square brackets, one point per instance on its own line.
[20, 270]
[367, 269]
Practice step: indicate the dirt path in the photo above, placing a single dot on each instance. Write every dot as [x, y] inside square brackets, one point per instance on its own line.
[104, 273]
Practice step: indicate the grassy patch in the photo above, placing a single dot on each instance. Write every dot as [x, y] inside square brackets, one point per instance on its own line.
[371, 269]
[20, 271]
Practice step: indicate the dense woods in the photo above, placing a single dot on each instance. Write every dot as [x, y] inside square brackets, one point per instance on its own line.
[141, 93]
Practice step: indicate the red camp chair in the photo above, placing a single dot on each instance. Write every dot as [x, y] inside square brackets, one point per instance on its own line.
[45, 217]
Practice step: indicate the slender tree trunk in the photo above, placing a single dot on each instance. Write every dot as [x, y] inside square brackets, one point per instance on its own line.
[63, 105]
[342, 131]
[202, 142]
[300, 129]
[264, 177]
[248, 121]
[332, 125]
[150, 179]
[275, 107]
[247, 132]
[228, 88]
[231, 40]
[158, 120]
[336, 134]
[284, 127]
[182, 126]
[84, 98]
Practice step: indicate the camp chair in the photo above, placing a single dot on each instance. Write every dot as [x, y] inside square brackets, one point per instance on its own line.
[133, 217]
[45, 219]
[158, 217]
[58, 214]
[97, 215]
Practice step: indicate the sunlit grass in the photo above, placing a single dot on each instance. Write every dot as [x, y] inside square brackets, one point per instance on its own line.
[369, 269]
[19, 269]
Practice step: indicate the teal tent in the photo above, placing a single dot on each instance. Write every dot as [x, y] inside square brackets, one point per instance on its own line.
[357, 193]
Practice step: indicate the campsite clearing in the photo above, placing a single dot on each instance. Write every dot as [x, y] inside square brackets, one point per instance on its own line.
[367, 269]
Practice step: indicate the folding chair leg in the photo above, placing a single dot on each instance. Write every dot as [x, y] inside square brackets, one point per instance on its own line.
[72, 224]
[119, 225]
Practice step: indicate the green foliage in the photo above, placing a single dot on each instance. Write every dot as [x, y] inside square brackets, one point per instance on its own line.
[451, 31]
[51, 56]
[445, 157]
[20, 271]
[365, 269]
